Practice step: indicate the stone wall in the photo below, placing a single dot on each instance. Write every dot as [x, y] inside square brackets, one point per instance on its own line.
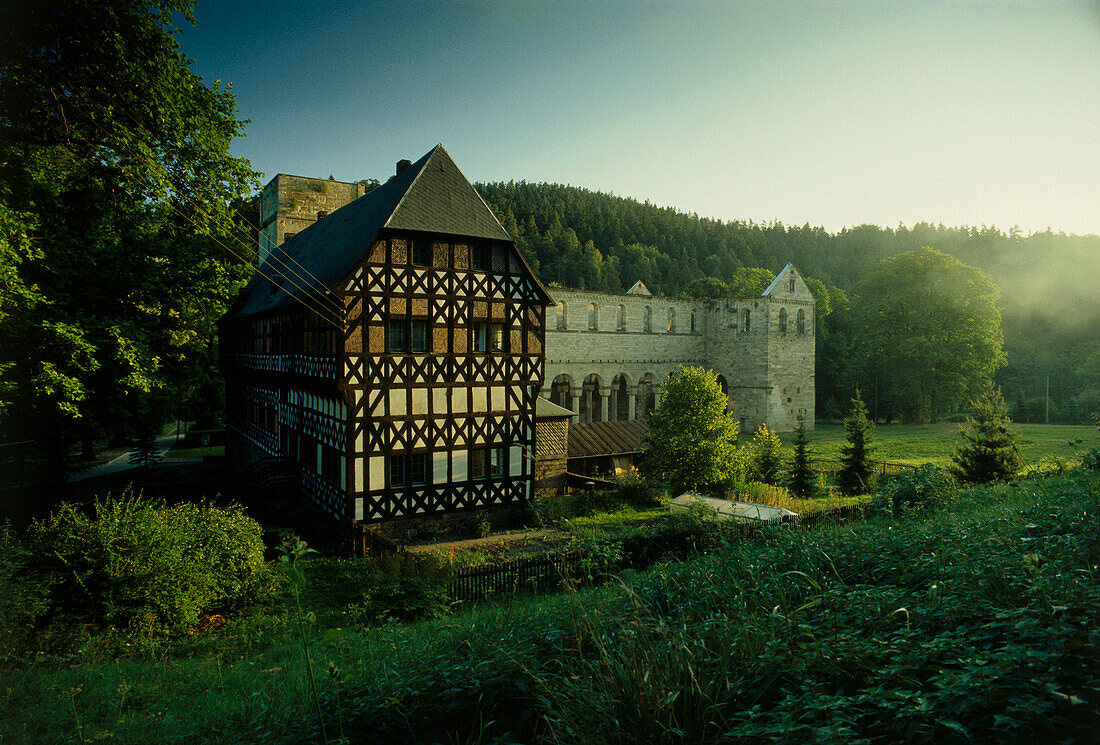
[609, 365]
[290, 204]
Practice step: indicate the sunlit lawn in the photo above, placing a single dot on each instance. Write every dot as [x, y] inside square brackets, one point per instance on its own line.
[934, 443]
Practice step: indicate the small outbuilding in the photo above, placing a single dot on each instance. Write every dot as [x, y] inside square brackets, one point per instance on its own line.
[724, 509]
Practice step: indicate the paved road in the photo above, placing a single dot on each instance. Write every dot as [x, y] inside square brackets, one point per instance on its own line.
[121, 463]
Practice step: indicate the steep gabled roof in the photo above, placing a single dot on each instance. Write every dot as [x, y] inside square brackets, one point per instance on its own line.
[430, 196]
[638, 288]
[590, 439]
[775, 282]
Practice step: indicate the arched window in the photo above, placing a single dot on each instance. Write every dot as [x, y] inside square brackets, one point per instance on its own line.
[801, 321]
[620, 320]
[693, 322]
[593, 317]
[561, 316]
[792, 283]
[745, 317]
[672, 320]
[782, 320]
[647, 320]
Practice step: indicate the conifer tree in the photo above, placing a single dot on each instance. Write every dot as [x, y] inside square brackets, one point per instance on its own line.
[765, 455]
[989, 449]
[801, 483]
[145, 452]
[856, 467]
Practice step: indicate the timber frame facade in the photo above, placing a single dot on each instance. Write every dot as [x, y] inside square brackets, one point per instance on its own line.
[391, 354]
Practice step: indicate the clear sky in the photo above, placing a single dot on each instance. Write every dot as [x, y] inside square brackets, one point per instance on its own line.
[831, 113]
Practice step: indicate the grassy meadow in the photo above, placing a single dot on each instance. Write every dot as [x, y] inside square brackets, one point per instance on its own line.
[976, 619]
[934, 443]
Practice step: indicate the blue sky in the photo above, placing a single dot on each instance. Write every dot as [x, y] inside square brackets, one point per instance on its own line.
[831, 113]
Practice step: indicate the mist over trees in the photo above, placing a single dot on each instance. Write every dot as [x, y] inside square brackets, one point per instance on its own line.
[1049, 306]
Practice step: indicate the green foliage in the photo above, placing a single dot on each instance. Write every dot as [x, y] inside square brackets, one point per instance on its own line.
[707, 287]
[923, 486]
[989, 448]
[932, 327]
[23, 597]
[120, 171]
[856, 473]
[483, 528]
[691, 437]
[145, 452]
[404, 587]
[137, 564]
[802, 481]
[765, 458]
[636, 490]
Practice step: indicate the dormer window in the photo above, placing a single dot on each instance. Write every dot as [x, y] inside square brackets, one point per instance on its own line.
[322, 213]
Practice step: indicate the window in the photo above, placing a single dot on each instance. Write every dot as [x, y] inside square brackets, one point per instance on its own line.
[745, 318]
[288, 236]
[693, 322]
[408, 336]
[418, 336]
[486, 463]
[420, 253]
[792, 283]
[490, 337]
[322, 213]
[561, 317]
[672, 320]
[620, 320]
[593, 317]
[408, 470]
[782, 320]
[399, 338]
[647, 320]
[801, 321]
[483, 258]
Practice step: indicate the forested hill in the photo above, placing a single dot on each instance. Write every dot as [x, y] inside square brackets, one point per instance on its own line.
[591, 240]
[586, 239]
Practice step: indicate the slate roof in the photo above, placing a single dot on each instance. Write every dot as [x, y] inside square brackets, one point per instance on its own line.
[775, 282]
[431, 196]
[590, 439]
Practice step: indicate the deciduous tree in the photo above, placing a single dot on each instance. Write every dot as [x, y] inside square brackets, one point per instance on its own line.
[932, 323]
[691, 438]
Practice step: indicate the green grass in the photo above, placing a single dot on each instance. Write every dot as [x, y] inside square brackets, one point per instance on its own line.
[934, 443]
[975, 622]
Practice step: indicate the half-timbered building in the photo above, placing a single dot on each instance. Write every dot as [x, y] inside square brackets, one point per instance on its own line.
[390, 353]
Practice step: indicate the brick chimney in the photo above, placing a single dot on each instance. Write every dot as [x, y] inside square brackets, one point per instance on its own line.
[403, 164]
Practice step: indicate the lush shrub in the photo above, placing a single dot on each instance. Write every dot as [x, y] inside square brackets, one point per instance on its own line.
[404, 587]
[923, 486]
[1091, 459]
[136, 563]
[636, 490]
[22, 596]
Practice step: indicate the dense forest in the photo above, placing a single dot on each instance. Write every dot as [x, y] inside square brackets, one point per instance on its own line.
[1050, 308]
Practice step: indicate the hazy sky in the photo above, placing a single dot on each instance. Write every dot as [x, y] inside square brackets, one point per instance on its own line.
[832, 113]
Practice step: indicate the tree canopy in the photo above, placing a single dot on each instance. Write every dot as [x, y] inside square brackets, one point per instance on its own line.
[930, 325]
[692, 439]
[117, 234]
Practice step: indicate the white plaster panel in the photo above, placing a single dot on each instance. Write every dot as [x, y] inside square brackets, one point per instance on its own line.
[480, 399]
[398, 402]
[420, 402]
[439, 467]
[360, 464]
[359, 508]
[459, 464]
[515, 460]
[377, 473]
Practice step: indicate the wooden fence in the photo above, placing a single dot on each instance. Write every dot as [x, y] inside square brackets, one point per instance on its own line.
[536, 574]
[883, 467]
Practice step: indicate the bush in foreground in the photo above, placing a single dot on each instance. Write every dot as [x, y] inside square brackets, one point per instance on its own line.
[135, 563]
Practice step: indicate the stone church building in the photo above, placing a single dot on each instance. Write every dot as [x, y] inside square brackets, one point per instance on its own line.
[393, 348]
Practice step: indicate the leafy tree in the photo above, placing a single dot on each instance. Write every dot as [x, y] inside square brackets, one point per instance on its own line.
[116, 191]
[707, 287]
[856, 468]
[933, 325]
[765, 460]
[989, 449]
[802, 477]
[750, 281]
[691, 438]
